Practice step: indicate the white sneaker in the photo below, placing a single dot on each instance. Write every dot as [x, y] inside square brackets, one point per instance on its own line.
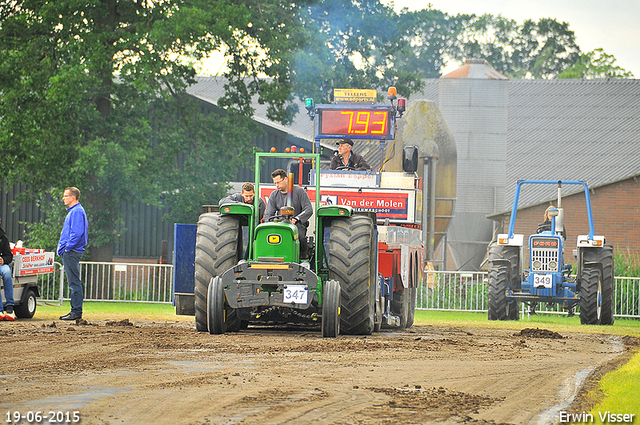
[10, 317]
[1, 315]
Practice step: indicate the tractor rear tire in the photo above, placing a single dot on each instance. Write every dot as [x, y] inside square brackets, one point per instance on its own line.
[512, 255]
[499, 306]
[217, 250]
[331, 309]
[350, 263]
[604, 257]
[591, 296]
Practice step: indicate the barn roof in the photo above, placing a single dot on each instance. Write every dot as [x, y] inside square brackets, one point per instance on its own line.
[210, 89]
[572, 130]
[567, 129]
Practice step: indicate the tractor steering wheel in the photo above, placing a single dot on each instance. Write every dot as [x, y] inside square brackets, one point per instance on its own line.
[346, 168]
[280, 218]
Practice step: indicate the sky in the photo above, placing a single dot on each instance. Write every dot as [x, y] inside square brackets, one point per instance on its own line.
[609, 24]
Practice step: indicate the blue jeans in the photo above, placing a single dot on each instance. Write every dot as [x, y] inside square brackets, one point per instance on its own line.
[71, 261]
[8, 286]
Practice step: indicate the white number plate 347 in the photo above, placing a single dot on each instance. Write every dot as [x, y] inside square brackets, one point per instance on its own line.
[295, 294]
[542, 281]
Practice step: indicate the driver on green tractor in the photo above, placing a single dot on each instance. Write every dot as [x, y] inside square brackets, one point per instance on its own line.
[300, 203]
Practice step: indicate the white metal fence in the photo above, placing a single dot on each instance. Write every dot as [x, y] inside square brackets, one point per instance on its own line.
[441, 290]
[131, 282]
[467, 291]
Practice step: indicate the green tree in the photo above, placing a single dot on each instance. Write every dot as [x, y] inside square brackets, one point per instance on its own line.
[93, 95]
[362, 44]
[429, 36]
[541, 49]
[595, 64]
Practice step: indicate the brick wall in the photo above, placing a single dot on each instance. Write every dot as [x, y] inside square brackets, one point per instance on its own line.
[616, 216]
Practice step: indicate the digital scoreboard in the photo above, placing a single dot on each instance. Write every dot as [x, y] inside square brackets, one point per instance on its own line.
[373, 123]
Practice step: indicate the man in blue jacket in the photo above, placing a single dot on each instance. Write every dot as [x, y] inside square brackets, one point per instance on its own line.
[73, 240]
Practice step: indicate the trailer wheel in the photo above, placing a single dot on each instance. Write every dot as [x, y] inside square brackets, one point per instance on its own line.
[400, 305]
[413, 291]
[27, 309]
[412, 306]
[499, 306]
[331, 309]
[604, 258]
[217, 249]
[380, 304]
[350, 256]
[512, 255]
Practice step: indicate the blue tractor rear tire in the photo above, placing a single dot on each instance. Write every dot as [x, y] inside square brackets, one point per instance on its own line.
[507, 258]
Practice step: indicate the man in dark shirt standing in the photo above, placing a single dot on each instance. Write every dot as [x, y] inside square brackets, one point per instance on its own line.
[347, 158]
[300, 202]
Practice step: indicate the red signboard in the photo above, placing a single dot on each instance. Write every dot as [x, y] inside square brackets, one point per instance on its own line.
[395, 205]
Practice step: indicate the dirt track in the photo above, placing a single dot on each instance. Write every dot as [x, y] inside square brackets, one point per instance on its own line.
[162, 373]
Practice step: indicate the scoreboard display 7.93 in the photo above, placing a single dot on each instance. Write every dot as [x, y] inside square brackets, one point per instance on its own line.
[363, 123]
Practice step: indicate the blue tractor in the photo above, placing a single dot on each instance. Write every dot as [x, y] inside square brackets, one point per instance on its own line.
[549, 279]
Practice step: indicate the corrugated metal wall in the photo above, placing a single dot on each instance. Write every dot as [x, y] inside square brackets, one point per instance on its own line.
[145, 231]
[14, 214]
[476, 111]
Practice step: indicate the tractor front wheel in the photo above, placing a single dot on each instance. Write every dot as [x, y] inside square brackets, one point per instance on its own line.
[215, 308]
[331, 309]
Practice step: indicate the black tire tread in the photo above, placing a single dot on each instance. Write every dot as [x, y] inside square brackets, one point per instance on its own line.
[589, 296]
[350, 248]
[216, 251]
[498, 303]
[215, 312]
[512, 255]
[604, 256]
[331, 309]
[400, 305]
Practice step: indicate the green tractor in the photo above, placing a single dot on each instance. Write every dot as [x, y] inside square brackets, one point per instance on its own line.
[252, 272]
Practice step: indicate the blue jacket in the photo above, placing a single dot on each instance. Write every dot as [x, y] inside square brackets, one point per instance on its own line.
[75, 230]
